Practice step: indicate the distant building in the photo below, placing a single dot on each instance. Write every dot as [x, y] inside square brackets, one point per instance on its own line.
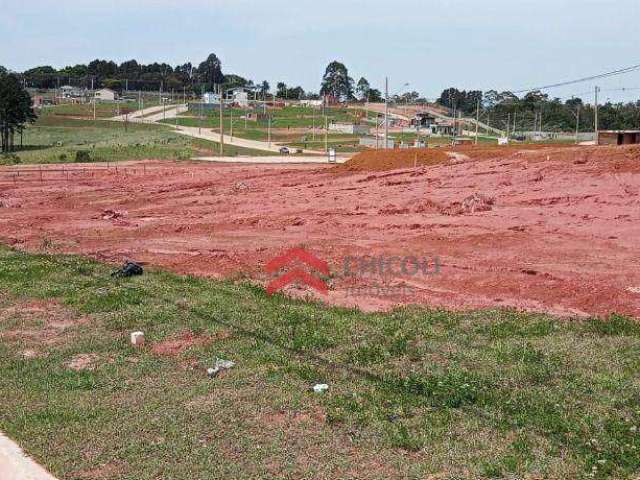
[67, 91]
[372, 142]
[423, 120]
[240, 97]
[349, 128]
[619, 137]
[210, 98]
[311, 103]
[105, 95]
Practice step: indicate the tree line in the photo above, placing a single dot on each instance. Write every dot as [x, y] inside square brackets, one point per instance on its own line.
[199, 78]
[195, 79]
[505, 110]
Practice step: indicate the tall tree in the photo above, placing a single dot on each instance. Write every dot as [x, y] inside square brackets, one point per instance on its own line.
[15, 109]
[264, 87]
[362, 89]
[337, 82]
[375, 96]
[297, 92]
[210, 71]
[281, 90]
[235, 81]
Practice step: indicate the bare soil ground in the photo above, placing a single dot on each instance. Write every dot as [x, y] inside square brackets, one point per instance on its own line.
[546, 229]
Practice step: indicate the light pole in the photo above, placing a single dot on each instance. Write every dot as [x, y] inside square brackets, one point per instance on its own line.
[597, 133]
[386, 113]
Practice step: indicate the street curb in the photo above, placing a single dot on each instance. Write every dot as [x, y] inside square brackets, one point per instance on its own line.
[15, 465]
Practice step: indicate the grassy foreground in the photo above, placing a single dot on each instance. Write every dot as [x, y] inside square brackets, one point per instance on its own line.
[413, 393]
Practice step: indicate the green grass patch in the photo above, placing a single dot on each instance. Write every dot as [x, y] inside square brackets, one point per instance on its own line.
[486, 394]
[57, 139]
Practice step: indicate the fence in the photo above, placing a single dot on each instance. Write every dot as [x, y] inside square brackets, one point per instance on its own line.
[68, 174]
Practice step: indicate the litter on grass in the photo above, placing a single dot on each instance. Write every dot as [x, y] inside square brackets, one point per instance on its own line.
[220, 366]
[129, 269]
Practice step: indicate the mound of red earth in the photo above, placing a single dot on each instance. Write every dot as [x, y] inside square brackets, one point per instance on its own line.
[382, 160]
[542, 229]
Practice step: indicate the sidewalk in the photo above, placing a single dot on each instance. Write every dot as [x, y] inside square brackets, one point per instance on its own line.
[15, 465]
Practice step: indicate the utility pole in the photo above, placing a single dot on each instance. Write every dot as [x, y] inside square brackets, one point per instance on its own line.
[508, 124]
[200, 124]
[477, 119]
[455, 123]
[326, 134]
[540, 120]
[269, 130]
[221, 122]
[515, 116]
[231, 131]
[596, 117]
[386, 112]
[94, 108]
[578, 125]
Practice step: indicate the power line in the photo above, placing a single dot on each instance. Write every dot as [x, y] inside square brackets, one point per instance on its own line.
[612, 73]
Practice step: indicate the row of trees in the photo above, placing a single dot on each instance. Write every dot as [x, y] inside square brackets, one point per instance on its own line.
[505, 109]
[129, 74]
[132, 75]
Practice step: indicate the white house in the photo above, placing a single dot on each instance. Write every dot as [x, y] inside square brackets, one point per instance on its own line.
[105, 95]
[67, 91]
[241, 98]
[211, 98]
[311, 103]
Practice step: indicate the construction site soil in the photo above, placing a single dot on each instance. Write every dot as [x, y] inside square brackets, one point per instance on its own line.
[553, 229]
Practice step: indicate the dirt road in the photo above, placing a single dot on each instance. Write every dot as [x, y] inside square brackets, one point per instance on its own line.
[276, 159]
[157, 114]
[546, 230]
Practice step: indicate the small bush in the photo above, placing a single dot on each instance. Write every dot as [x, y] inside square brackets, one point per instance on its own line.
[184, 155]
[83, 156]
[9, 159]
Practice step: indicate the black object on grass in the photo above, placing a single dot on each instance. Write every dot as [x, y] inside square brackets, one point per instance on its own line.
[128, 270]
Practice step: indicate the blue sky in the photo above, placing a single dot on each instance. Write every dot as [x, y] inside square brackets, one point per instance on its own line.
[430, 44]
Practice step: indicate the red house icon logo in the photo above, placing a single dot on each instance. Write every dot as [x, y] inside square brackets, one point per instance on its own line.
[297, 275]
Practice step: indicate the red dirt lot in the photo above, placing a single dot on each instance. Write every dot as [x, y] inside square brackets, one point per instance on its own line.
[550, 229]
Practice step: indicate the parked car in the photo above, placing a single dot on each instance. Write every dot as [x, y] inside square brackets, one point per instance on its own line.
[284, 151]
